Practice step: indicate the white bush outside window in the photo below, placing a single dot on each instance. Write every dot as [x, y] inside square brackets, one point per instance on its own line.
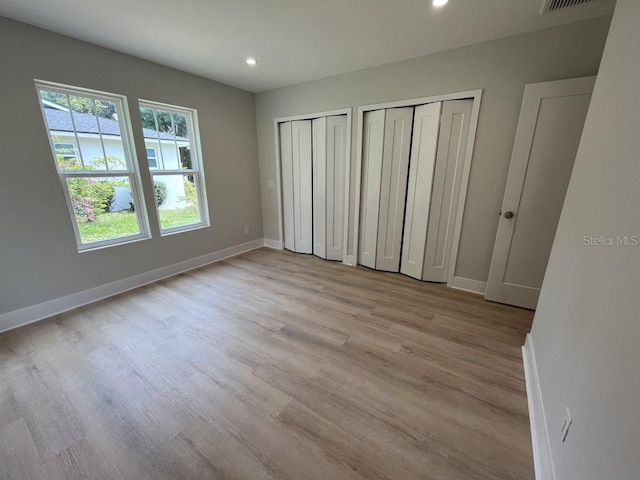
[91, 142]
[173, 151]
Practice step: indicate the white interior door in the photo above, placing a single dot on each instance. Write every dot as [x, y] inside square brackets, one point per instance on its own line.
[302, 186]
[452, 147]
[286, 162]
[423, 156]
[549, 131]
[393, 187]
[336, 154]
[320, 198]
[372, 146]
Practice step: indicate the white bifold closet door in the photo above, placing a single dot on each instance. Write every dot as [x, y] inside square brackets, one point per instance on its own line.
[423, 157]
[313, 158]
[297, 189]
[393, 187]
[319, 132]
[336, 188]
[372, 145]
[386, 149]
[447, 179]
[286, 163]
[329, 161]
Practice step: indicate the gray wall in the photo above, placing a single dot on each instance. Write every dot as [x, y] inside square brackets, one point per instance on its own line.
[38, 256]
[501, 68]
[586, 332]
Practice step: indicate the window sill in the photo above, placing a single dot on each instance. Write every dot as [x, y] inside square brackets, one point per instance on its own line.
[186, 228]
[92, 247]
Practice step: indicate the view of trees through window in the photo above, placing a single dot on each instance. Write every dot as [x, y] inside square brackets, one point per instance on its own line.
[168, 138]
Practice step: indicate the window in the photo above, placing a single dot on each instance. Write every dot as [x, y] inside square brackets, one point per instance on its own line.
[66, 150]
[152, 157]
[171, 137]
[91, 145]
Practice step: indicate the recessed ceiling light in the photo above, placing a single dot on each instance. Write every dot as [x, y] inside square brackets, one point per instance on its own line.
[251, 61]
[440, 3]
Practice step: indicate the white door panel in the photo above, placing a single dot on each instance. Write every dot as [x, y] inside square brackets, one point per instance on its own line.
[286, 162]
[372, 146]
[452, 146]
[547, 140]
[319, 128]
[393, 187]
[335, 193]
[302, 186]
[421, 170]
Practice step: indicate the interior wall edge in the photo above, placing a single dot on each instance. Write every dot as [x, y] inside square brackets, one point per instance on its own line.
[42, 311]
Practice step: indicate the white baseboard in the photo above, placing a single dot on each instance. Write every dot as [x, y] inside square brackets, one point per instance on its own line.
[275, 244]
[542, 459]
[469, 285]
[34, 313]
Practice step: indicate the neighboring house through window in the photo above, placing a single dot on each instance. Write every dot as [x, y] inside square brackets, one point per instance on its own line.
[91, 142]
[171, 139]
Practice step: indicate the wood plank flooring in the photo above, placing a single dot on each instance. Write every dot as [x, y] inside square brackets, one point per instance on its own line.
[269, 365]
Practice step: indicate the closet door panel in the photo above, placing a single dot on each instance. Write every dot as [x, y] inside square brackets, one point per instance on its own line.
[320, 187]
[286, 162]
[302, 186]
[336, 164]
[393, 187]
[423, 156]
[372, 146]
[452, 148]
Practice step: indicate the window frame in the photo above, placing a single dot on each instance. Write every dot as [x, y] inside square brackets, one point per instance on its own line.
[132, 171]
[154, 157]
[193, 128]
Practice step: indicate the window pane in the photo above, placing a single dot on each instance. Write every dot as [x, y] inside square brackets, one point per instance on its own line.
[164, 124]
[104, 208]
[177, 199]
[152, 157]
[111, 135]
[86, 125]
[170, 155]
[181, 128]
[184, 151]
[58, 118]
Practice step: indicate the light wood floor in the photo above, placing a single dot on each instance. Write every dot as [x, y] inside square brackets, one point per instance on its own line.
[269, 365]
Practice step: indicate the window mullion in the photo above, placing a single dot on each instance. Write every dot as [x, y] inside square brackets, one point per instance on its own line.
[104, 151]
[75, 131]
[175, 141]
[155, 119]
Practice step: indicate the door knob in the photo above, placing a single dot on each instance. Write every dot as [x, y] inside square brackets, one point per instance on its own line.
[508, 214]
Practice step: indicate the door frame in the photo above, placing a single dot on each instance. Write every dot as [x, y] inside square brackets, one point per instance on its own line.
[310, 116]
[476, 96]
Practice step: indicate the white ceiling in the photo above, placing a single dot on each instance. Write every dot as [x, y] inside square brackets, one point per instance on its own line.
[293, 40]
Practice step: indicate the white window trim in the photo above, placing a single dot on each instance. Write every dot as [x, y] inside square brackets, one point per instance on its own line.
[193, 128]
[126, 134]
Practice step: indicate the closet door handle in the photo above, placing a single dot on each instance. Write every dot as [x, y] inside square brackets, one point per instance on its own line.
[508, 215]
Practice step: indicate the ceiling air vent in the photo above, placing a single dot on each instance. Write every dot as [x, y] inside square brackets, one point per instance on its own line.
[550, 6]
